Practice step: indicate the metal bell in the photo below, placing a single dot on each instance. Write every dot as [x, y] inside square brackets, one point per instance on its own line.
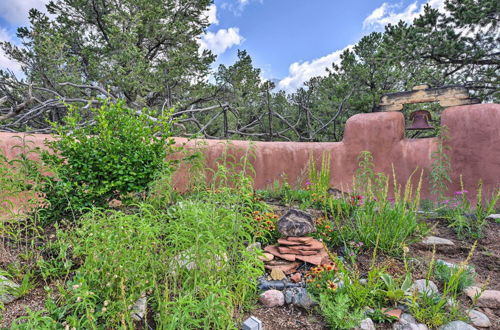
[420, 120]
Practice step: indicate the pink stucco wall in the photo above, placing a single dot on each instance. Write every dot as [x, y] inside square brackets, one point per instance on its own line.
[474, 132]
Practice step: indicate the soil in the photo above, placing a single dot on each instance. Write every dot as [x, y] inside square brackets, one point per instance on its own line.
[486, 261]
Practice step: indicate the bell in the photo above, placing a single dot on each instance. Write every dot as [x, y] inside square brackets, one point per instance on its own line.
[420, 120]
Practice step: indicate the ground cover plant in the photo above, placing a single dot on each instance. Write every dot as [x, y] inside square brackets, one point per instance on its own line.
[165, 259]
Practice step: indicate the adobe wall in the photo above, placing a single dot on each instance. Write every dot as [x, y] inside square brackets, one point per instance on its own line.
[474, 132]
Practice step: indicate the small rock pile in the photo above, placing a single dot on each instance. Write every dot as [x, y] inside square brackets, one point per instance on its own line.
[294, 248]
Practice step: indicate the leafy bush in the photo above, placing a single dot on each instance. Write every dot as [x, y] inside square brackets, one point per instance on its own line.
[118, 154]
[446, 273]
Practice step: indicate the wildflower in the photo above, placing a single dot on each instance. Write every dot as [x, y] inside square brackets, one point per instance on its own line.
[461, 192]
[76, 286]
[106, 303]
[308, 183]
[104, 309]
[78, 299]
[331, 285]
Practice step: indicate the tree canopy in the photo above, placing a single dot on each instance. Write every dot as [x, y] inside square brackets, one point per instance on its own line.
[148, 53]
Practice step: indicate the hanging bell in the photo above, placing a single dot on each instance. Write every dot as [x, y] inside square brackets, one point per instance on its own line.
[420, 120]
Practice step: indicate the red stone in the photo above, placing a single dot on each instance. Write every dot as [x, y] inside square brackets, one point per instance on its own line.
[287, 250]
[296, 278]
[392, 312]
[284, 241]
[275, 252]
[287, 268]
[304, 240]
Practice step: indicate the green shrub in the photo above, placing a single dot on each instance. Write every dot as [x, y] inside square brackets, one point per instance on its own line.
[119, 153]
[464, 277]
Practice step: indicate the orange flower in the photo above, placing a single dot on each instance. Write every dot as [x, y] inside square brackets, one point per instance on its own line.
[331, 285]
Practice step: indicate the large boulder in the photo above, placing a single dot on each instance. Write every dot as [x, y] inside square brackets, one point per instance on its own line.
[296, 223]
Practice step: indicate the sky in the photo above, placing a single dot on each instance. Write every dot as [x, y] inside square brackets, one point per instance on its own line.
[289, 40]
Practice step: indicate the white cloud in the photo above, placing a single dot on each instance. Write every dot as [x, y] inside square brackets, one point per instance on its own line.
[211, 14]
[389, 14]
[237, 6]
[221, 40]
[298, 73]
[5, 62]
[16, 11]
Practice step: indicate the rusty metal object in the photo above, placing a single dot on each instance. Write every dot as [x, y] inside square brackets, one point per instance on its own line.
[420, 120]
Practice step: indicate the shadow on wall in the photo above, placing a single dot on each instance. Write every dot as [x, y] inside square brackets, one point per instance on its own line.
[474, 139]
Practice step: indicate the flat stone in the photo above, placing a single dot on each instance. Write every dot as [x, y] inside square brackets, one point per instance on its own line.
[318, 259]
[6, 285]
[287, 250]
[313, 245]
[296, 223]
[434, 240]
[284, 241]
[366, 324]
[457, 325]
[394, 312]
[479, 319]
[287, 268]
[277, 274]
[304, 240]
[488, 298]
[493, 217]
[299, 297]
[266, 257]
[425, 287]
[407, 318]
[420, 87]
[274, 251]
[272, 298]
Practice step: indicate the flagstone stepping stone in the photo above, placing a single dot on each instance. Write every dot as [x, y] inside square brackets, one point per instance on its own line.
[434, 240]
[457, 325]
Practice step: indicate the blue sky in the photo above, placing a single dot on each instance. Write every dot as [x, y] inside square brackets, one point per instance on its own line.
[290, 40]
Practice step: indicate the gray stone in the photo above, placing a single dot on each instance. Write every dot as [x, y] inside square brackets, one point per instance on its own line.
[296, 223]
[425, 287]
[139, 309]
[252, 323]
[272, 298]
[408, 318]
[299, 297]
[457, 325]
[363, 281]
[6, 287]
[479, 319]
[434, 240]
[488, 298]
[409, 326]
[366, 324]
[493, 217]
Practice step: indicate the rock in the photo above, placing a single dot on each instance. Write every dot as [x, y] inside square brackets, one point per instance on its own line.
[296, 278]
[7, 285]
[254, 246]
[425, 287]
[296, 223]
[313, 245]
[266, 257]
[363, 281]
[433, 240]
[252, 323]
[488, 298]
[317, 259]
[493, 217]
[407, 318]
[299, 297]
[457, 325]
[408, 322]
[285, 266]
[303, 240]
[139, 309]
[287, 250]
[277, 274]
[394, 312]
[272, 298]
[366, 324]
[479, 319]
[273, 249]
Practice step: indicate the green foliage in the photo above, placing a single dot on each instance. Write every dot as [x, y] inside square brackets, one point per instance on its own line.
[393, 291]
[439, 177]
[463, 276]
[92, 164]
[337, 312]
